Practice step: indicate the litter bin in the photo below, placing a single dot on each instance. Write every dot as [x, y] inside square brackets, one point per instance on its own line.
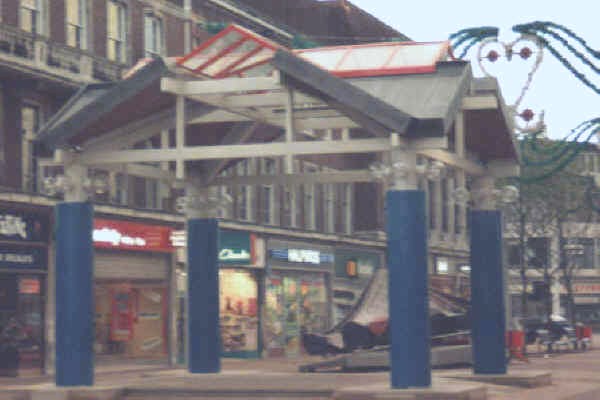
[9, 360]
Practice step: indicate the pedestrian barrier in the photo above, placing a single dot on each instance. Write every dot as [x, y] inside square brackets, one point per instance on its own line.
[515, 342]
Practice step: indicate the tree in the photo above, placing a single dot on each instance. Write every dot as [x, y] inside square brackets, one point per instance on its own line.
[550, 205]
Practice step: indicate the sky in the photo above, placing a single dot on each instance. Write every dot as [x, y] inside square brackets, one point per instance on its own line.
[566, 102]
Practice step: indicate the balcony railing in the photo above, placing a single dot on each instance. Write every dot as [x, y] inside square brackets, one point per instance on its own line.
[39, 52]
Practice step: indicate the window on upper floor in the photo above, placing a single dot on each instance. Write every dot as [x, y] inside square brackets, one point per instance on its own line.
[76, 23]
[153, 36]
[584, 256]
[309, 202]
[329, 208]
[267, 206]
[32, 16]
[116, 39]
[30, 123]
[346, 194]
[243, 197]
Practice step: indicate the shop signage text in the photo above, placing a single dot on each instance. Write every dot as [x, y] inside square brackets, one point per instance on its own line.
[235, 247]
[11, 225]
[301, 256]
[352, 264]
[587, 288]
[131, 236]
[13, 257]
[21, 227]
[233, 255]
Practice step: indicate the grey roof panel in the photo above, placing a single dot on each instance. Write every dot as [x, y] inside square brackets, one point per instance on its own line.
[92, 102]
[433, 97]
[360, 105]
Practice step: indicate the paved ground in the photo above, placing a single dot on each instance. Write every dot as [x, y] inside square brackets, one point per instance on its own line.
[576, 376]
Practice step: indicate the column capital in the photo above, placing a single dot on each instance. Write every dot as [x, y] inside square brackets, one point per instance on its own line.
[486, 196]
[201, 202]
[484, 193]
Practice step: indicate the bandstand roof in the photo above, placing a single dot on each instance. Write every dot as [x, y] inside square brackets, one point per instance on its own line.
[240, 77]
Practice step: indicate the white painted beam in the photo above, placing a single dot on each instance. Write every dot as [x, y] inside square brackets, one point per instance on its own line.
[218, 116]
[454, 160]
[269, 99]
[297, 179]
[479, 103]
[218, 86]
[137, 131]
[238, 151]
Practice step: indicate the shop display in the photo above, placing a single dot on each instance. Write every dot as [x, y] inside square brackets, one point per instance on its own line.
[239, 312]
[294, 303]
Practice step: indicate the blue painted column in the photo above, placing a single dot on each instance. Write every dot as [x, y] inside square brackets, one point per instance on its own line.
[410, 355]
[487, 293]
[203, 339]
[74, 275]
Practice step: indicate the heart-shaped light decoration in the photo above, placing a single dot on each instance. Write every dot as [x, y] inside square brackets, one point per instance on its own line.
[523, 48]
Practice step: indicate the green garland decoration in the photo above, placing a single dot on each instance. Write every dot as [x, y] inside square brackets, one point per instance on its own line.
[469, 37]
[540, 28]
[557, 151]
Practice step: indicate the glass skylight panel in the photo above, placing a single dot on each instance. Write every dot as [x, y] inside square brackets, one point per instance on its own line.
[416, 55]
[366, 58]
[325, 58]
[263, 55]
[230, 58]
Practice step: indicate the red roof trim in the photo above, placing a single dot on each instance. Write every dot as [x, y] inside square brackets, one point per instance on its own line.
[359, 73]
[233, 66]
[246, 35]
[222, 53]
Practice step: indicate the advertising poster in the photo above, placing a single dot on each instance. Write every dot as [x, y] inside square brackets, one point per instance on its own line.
[239, 313]
[121, 324]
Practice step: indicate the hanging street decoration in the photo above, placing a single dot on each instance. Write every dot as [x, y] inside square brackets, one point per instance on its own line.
[546, 158]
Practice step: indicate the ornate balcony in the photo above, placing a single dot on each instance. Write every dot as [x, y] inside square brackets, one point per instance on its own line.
[23, 50]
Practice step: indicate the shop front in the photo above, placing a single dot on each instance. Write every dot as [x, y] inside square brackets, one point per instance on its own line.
[241, 265]
[132, 264]
[586, 296]
[297, 295]
[23, 269]
[353, 273]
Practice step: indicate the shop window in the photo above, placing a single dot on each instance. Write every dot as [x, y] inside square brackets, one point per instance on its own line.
[116, 31]
[153, 36]
[238, 299]
[32, 14]
[30, 123]
[76, 23]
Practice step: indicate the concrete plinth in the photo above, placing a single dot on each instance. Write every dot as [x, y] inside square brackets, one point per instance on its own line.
[438, 391]
[525, 379]
[76, 393]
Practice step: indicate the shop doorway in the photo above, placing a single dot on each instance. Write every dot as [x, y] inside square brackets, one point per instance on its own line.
[131, 321]
[21, 324]
[295, 302]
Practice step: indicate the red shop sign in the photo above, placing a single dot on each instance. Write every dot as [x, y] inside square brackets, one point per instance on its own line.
[109, 234]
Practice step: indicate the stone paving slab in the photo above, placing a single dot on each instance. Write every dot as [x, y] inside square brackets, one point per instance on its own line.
[441, 389]
[520, 378]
